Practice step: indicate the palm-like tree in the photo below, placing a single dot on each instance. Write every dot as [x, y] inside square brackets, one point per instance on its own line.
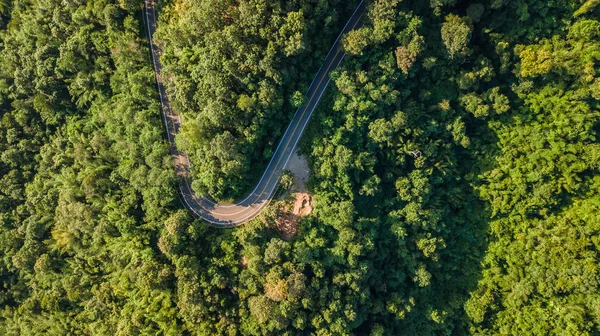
[4, 6]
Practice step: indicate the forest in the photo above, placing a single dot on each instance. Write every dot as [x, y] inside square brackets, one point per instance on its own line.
[455, 166]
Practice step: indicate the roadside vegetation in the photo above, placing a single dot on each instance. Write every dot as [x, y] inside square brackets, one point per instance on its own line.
[237, 72]
[455, 169]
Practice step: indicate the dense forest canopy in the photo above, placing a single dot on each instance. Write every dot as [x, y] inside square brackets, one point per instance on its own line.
[455, 164]
[238, 72]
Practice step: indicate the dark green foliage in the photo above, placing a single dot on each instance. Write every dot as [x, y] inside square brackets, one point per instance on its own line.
[455, 169]
[238, 77]
[85, 179]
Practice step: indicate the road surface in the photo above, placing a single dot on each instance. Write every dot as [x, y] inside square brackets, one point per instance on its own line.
[231, 215]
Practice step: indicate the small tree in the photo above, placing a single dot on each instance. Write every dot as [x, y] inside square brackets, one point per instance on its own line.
[287, 180]
[297, 99]
[456, 33]
[357, 40]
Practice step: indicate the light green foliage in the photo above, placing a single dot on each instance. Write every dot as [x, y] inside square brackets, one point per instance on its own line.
[382, 14]
[292, 33]
[586, 7]
[85, 180]
[456, 34]
[298, 99]
[5, 6]
[411, 43]
[453, 195]
[357, 40]
[235, 71]
[437, 5]
[536, 60]
[286, 180]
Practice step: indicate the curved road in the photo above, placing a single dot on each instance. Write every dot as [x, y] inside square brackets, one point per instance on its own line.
[230, 215]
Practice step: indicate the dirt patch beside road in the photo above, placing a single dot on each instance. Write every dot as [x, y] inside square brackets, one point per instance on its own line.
[299, 167]
[287, 223]
[302, 205]
[299, 203]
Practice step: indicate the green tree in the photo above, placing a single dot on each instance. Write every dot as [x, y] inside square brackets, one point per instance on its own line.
[456, 34]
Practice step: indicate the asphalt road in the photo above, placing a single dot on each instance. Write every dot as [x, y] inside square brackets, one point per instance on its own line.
[231, 215]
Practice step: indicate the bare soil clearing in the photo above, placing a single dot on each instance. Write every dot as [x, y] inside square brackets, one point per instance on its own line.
[299, 167]
[301, 203]
[287, 223]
